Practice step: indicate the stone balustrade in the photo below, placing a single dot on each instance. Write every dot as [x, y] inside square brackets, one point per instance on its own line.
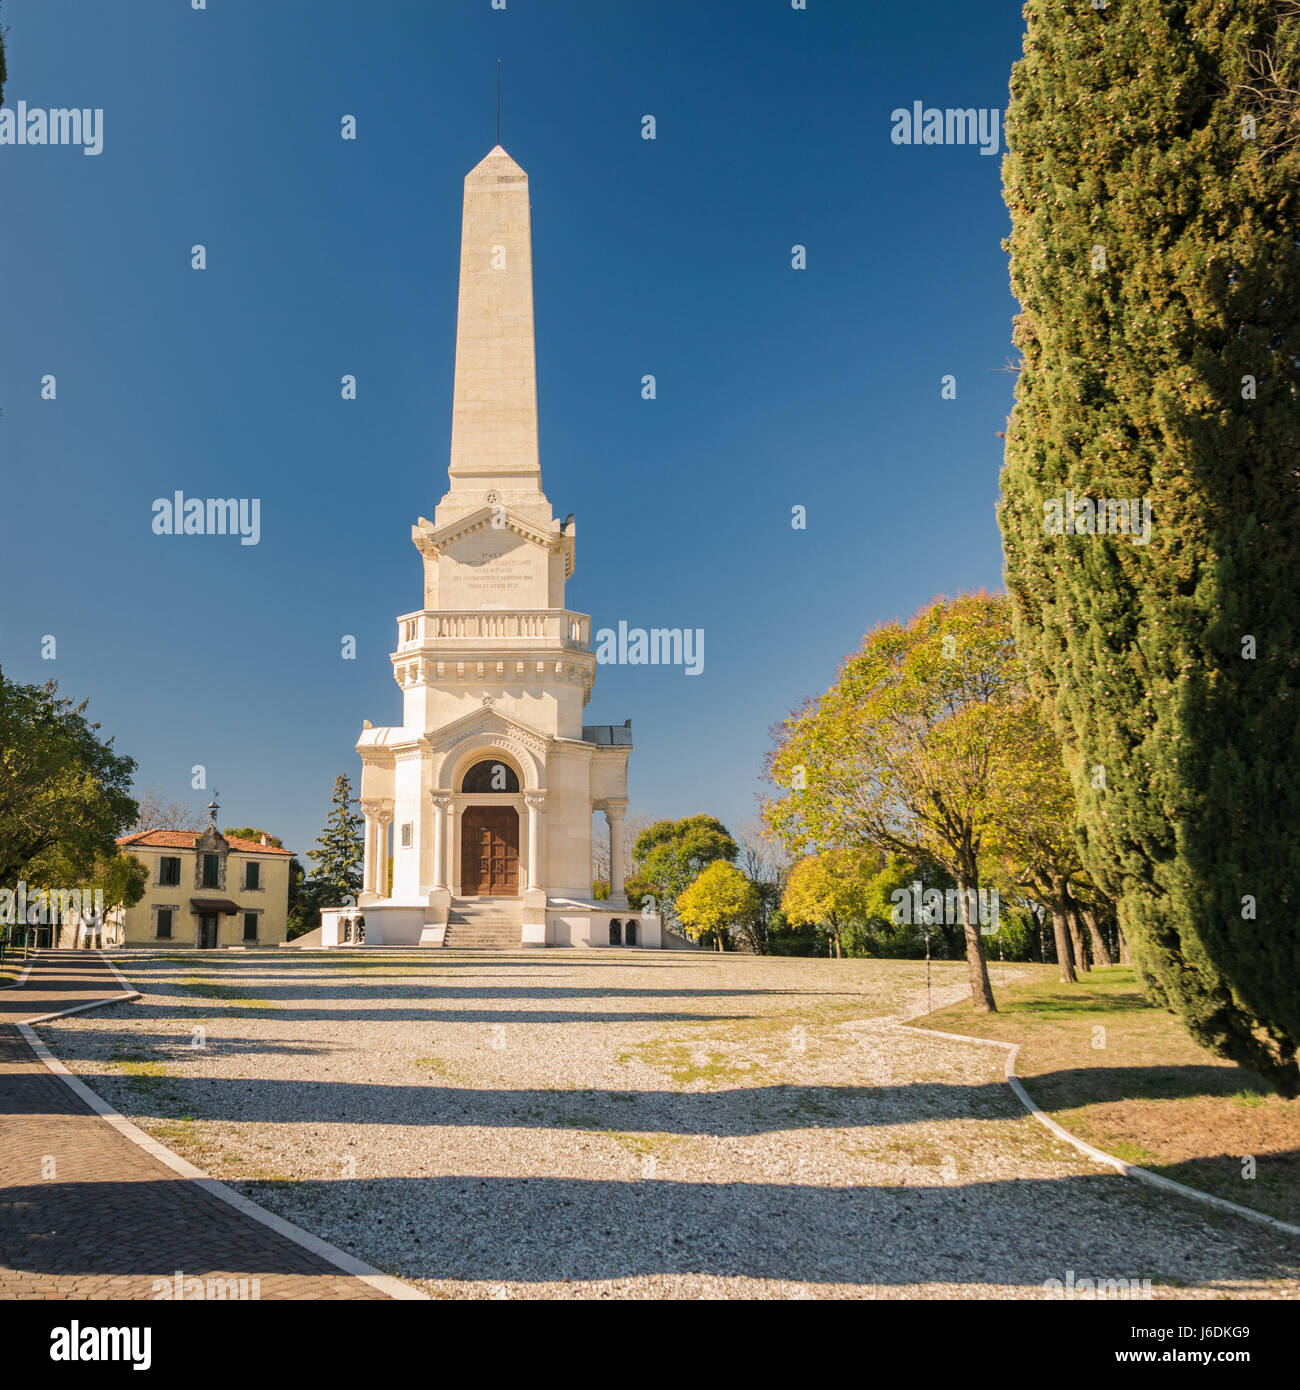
[556, 626]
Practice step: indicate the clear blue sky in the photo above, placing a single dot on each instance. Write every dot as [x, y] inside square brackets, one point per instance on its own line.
[775, 387]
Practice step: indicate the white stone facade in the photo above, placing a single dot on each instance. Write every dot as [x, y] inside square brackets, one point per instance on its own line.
[493, 668]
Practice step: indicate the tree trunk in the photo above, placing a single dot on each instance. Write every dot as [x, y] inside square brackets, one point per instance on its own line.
[1076, 936]
[1100, 951]
[981, 989]
[1056, 906]
[1124, 957]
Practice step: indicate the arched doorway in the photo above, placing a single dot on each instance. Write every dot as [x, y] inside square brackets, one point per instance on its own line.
[489, 851]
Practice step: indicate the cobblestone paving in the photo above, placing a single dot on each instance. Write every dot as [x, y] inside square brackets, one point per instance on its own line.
[85, 1213]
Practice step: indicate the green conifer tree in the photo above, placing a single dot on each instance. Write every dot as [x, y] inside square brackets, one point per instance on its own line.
[1153, 178]
[338, 860]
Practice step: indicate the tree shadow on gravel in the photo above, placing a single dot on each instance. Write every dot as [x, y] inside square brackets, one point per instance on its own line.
[1017, 1234]
[734, 1111]
[188, 1010]
[287, 993]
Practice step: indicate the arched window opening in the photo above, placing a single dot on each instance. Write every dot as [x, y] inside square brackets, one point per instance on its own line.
[631, 933]
[490, 775]
[615, 933]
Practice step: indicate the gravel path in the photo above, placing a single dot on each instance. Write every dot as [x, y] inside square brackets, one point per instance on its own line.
[621, 1124]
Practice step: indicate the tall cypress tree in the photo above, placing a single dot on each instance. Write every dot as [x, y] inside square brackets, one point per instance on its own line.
[1152, 175]
[338, 859]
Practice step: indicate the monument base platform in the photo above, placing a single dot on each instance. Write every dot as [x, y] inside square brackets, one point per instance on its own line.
[543, 922]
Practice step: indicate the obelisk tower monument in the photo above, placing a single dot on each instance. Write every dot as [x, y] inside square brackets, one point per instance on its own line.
[490, 783]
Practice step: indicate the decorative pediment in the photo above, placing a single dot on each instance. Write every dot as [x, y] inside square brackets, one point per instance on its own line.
[434, 542]
[494, 525]
[487, 722]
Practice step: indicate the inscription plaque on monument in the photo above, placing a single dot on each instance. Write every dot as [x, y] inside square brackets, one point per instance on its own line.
[489, 568]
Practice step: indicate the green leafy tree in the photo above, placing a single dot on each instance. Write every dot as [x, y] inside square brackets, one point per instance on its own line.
[831, 890]
[670, 855]
[786, 938]
[892, 938]
[61, 786]
[900, 752]
[1152, 173]
[252, 832]
[719, 899]
[338, 860]
[638, 892]
[119, 878]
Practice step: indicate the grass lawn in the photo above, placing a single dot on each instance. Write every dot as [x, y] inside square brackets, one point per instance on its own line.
[1127, 1078]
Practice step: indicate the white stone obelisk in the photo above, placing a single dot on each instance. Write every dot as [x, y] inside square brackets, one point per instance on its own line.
[494, 410]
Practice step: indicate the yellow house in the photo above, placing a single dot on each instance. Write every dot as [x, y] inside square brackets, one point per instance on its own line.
[206, 890]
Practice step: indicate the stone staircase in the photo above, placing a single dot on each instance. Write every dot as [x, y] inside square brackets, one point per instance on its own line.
[484, 924]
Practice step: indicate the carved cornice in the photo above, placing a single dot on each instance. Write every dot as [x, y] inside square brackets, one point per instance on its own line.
[573, 668]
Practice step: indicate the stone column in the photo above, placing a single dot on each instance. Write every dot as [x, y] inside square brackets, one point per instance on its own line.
[381, 855]
[370, 809]
[535, 801]
[440, 819]
[614, 813]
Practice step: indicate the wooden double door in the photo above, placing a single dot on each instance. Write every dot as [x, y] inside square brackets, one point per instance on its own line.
[489, 851]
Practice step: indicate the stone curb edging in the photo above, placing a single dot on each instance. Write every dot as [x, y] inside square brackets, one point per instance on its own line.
[1128, 1170]
[348, 1264]
[20, 980]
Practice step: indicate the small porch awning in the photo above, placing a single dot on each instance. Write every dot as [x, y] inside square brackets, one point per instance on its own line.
[205, 907]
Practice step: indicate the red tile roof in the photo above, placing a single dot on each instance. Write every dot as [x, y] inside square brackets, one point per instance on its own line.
[185, 839]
